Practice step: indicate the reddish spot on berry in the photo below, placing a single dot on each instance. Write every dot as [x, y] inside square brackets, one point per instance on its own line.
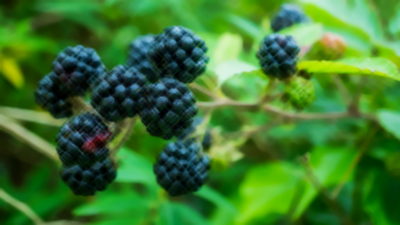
[98, 141]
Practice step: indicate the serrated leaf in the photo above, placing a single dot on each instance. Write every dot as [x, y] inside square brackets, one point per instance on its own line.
[356, 66]
[9, 68]
[230, 68]
[390, 120]
[228, 47]
[305, 34]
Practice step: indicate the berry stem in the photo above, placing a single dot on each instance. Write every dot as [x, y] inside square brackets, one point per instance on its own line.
[79, 105]
[20, 206]
[125, 127]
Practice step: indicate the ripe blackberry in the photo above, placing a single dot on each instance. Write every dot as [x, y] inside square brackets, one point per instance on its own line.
[168, 108]
[179, 53]
[52, 96]
[117, 96]
[83, 140]
[182, 168]
[86, 181]
[139, 58]
[278, 56]
[77, 68]
[288, 15]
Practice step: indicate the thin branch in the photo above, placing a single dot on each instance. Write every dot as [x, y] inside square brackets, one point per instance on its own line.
[28, 137]
[31, 116]
[203, 90]
[342, 89]
[331, 202]
[20, 206]
[128, 127]
[286, 114]
[356, 160]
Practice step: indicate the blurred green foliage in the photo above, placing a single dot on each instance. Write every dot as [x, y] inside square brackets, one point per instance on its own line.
[341, 171]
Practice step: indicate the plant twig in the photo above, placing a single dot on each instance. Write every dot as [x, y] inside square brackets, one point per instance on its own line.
[370, 135]
[127, 127]
[331, 202]
[28, 137]
[20, 206]
[31, 116]
[203, 90]
[342, 89]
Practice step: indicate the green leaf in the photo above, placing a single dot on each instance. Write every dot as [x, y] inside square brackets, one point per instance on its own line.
[356, 66]
[252, 83]
[179, 214]
[247, 26]
[134, 168]
[230, 68]
[120, 204]
[216, 198]
[9, 68]
[228, 47]
[305, 34]
[390, 120]
[267, 189]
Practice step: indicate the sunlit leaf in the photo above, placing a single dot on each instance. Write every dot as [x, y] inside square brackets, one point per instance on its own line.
[10, 69]
[232, 67]
[228, 47]
[305, 34]
[355, 66]
[216, 198]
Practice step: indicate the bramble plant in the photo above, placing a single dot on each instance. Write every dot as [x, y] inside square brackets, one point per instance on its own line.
[284, 130]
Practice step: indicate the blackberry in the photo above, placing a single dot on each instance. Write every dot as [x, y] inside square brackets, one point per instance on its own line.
[179, 53]
[77, 68]
[86, 181]
[168, 108]
[117, 96]
[288, 15]
[139, 59]
[83, 141]
[278, 56]
[53, 97]
[182, 168]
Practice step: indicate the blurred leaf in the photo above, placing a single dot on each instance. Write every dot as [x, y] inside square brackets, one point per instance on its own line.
[245, 25]
[213, 196]
[305, 34]
[11, 71]
[121, 204]
[228, 47]
[390, 120]
[267, 189]
[230, 68]
[188, 215]
[134, 168]
[355, 66]
[252, 83]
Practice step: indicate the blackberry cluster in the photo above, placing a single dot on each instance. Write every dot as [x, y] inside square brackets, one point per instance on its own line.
[189, 131]
[182, 168]
[288, 16]
[52, 96]
[179, 53]
[118, 95]
[278, 56]
[139, 58]
[77, 68]
[168, 108]
[82, 148]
